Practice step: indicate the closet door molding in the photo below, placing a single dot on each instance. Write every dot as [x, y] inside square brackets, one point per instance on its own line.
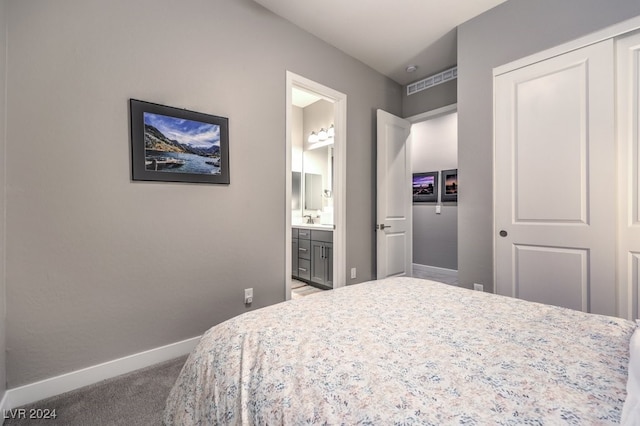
[618, 30]
[628, 99]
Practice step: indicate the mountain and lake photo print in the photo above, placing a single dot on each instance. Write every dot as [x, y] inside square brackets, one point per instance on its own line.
[178, 145]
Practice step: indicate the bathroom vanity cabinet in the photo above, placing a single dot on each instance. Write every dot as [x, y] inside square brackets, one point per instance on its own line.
[312, 256]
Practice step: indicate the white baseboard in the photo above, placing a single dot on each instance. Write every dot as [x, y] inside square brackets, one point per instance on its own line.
[434, 270]
[37, 391]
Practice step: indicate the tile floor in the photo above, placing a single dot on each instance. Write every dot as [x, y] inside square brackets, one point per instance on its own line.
[301, 289]
[435, 276]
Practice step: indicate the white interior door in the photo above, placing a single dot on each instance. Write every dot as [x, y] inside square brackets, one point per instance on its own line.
[555, 196]
[628, 56]
[394, 227]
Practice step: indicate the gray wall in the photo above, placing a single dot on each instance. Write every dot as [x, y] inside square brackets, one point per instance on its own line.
[427, 100]
[100, 267]
[508, 32]
[434, 147]
[3, 51]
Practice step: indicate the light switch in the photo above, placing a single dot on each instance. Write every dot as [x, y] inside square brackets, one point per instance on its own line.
[438, 208]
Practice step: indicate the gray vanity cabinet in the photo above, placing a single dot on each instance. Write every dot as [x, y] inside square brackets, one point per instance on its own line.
[294, 252]
[322, 258]
[301, 254]
[312, 256]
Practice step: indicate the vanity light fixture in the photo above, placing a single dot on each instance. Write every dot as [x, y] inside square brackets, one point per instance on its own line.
[322, 136]
[331, 132]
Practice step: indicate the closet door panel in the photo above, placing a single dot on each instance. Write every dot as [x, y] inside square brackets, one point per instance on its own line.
[554, 181]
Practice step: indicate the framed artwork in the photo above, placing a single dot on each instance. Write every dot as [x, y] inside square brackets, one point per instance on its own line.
[176, 145]
[449, 185]
[425, 187]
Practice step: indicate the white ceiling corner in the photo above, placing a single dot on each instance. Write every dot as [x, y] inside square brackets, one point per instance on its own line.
[386, 35]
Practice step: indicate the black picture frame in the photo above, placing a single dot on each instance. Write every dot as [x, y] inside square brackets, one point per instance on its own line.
[177, 145]
[449, 185]
[425, 187]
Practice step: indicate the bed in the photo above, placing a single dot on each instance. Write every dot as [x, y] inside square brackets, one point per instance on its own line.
[408, 351]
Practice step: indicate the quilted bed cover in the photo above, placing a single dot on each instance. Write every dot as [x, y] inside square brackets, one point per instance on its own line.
[406, 351]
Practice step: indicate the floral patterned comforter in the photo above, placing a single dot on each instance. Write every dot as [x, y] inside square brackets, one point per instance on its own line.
[406, 351]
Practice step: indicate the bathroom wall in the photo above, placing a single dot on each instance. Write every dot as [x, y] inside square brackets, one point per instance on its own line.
[316, 116]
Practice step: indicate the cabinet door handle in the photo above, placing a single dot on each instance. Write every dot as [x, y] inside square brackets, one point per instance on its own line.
[302, 249]
[302, 269]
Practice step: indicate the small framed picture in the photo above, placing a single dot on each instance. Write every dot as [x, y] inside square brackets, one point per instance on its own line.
[449, 185]
[177, 145]
[425, 187]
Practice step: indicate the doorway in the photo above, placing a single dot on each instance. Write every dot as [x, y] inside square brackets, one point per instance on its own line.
[417, 235]
[434, 151]
[333, 184]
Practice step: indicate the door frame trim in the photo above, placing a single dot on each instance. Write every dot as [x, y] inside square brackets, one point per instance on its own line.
[419, 118]
[339, 101]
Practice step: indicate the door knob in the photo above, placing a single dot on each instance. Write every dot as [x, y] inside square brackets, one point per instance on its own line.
[382, 226]
[503, 233]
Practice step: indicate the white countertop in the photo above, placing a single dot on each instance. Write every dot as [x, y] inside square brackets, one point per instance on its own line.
[313, 226]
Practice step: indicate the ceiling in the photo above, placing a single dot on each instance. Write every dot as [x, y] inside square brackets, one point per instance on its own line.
[301, 98]
[387, 35]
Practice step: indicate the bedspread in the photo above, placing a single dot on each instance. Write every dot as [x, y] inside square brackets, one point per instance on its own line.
[406, 351]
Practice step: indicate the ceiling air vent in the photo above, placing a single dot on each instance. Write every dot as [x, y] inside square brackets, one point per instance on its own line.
[434, 80]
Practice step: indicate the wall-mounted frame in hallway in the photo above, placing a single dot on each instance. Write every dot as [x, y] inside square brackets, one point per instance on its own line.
[449, 179]
[425, 187]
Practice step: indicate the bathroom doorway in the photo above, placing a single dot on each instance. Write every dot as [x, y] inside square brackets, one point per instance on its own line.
[315, 193]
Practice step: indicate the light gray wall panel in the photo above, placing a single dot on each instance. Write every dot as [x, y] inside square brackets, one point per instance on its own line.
[427, 100]
[508, 32]
[100, 267]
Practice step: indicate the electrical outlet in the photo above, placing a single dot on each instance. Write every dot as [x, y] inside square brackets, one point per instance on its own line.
[248, 296]
[353, 273]
[478, 287]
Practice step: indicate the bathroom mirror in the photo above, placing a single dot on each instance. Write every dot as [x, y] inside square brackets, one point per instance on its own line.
[296, 190]
[312, 191]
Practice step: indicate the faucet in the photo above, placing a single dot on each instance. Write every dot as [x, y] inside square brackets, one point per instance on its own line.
[309, 218]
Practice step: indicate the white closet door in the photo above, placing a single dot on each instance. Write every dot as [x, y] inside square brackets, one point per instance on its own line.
[555, 196]
[628, 56]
